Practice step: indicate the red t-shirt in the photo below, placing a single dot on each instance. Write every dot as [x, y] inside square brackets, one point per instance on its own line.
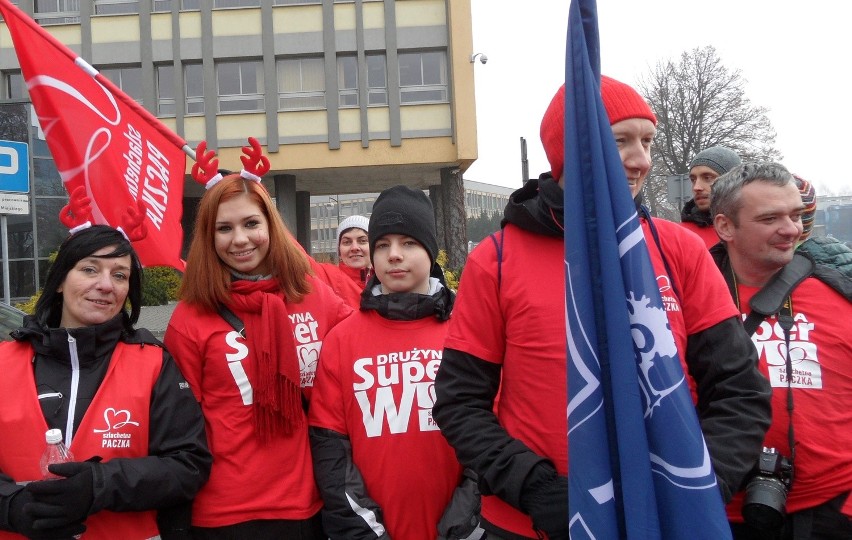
[341, 281]
[707, 234]
[250, 480]
[821, 357]
[376, 384]
[522, 327]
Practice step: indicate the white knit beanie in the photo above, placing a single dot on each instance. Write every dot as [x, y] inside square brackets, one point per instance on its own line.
[356, 221]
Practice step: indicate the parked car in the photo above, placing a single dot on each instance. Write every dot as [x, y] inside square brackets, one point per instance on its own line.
[11, 318]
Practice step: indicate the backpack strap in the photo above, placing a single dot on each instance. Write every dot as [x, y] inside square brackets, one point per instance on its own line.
[237, 324]
[232, 319]
[644, 212]
[498, 245]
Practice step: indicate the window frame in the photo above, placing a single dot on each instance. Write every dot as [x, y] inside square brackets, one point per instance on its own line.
[244, 80]
[65, 12]
[409, 93]
[314, 97]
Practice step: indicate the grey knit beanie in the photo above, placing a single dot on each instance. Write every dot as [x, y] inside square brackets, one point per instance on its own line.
[718, 158]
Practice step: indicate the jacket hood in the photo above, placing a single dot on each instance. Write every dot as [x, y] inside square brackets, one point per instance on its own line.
[692, 214]
[537, 207]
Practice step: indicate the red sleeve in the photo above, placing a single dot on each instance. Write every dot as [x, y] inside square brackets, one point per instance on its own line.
[184, 348]
[335, 308]
[326, 409]
[707, 299]
[476, 326]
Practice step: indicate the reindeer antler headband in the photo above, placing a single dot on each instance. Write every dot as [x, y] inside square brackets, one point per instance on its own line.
[77, 215]
[205, 171]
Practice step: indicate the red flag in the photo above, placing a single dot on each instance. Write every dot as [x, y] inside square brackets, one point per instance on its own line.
[101, 138]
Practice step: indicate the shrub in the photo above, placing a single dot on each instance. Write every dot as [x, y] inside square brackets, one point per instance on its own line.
[450, 276]
[160, 284]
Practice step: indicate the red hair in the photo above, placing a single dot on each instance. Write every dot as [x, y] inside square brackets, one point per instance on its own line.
[207, 280]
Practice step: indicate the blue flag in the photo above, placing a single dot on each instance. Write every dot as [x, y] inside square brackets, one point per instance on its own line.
[638, 464]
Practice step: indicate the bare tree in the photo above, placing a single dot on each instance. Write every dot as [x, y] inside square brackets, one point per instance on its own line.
[700, 103]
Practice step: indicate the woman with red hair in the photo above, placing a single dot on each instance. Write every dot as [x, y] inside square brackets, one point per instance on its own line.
[247, 334]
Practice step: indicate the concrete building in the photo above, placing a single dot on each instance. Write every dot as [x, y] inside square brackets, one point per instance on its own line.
[346, 96]
[327, 211]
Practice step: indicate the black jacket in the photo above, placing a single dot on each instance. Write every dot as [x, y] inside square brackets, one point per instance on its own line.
[179, 460]
[692, 214]
[733, 397]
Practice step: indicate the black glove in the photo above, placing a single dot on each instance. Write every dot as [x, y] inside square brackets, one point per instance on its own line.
[22, 522]
[57, 503]
[544, 498]
[462, 515]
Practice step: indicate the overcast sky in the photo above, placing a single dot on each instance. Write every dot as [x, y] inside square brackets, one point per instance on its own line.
[794, 57]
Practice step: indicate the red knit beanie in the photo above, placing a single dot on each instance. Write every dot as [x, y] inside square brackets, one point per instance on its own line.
[621, 102]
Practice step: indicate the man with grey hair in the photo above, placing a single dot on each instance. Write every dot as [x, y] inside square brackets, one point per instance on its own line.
[704, 169]
[803, 350]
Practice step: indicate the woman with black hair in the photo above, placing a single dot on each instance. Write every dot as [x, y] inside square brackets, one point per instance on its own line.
[125, 410]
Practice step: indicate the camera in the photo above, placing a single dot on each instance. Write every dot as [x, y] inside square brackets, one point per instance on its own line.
[766, 493]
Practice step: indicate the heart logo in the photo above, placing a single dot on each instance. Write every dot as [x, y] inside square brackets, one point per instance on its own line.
[308, 358]
[116, 419]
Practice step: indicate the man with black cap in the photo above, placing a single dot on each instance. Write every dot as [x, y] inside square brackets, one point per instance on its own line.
[381, 464]
[507, 334]
[704, 169]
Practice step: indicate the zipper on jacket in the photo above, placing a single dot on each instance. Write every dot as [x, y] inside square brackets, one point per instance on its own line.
[72, 393]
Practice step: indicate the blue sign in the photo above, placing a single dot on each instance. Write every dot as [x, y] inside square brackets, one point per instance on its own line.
[14, 167]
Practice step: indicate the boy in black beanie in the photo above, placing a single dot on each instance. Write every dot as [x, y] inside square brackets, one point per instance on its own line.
[371, 428]
[401, 212]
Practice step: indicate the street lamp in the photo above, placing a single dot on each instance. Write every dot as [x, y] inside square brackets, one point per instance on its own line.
[337, 213]
[336, 207]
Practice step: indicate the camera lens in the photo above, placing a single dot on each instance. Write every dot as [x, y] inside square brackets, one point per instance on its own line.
[765, 500]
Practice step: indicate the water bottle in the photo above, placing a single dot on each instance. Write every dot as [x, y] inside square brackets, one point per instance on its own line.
[56, 452]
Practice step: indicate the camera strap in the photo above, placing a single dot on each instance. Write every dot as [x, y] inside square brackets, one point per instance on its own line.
[775, 295]
[775, 298]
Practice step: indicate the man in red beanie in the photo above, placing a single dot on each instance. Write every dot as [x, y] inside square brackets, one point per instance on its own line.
[508, 333]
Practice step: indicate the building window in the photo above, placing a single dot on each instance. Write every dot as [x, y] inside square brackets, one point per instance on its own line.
[166, 105]
[56, 11]
[129, 79]
[236, 3]
[301, 84]
[240, 86]
[377, 80]
[116, 7]
[423, 77]
[161, 5]
[292, 2]
[13, 85]
[193, 83]
[347, 80]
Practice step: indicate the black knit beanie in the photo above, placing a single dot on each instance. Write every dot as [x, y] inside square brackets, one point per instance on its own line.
[402, 210]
